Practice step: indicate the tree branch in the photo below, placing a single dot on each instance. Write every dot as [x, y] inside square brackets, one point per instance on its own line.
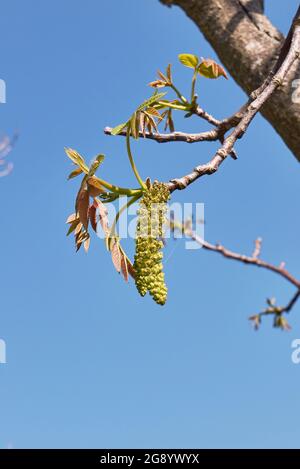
[249, 45]
[254, 260]
[209, 136]
[259, 98]
[251, 260]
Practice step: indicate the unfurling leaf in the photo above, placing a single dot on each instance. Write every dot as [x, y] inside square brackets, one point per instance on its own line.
[169, 73]
[75, 173]
[134, 125]
[86, 243]
[73, 226]
[153, 99]
[95, 165]
[115, 254]
[169, 121]
[93, 216]
[158, 84]
[103, 218]
[124, 268]
[94, 187]
[154, 112]
[116, 130]
[77, 159]
[189, 60]
[163, 80]
[130, 268]
[82, 206]
[71, 218]
[210, 69]
[78, 228]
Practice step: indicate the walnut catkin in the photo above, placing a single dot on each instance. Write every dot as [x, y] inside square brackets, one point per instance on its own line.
[148, 265]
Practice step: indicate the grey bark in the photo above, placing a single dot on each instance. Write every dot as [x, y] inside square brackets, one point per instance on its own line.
[248, 45]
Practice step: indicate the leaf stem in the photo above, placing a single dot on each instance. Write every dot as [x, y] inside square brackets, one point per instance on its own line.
[179, 107]
[119, 190]
[134, 168]
[180, 96]
[112, 232]
[193, 84]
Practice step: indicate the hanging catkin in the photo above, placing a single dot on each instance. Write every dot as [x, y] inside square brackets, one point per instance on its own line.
[148, 265]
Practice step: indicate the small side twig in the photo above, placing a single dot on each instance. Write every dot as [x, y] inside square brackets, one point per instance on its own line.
[272, 308]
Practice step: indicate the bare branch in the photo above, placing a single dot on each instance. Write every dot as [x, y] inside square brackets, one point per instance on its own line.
[272, 309]
[251, 260]
[209, 136]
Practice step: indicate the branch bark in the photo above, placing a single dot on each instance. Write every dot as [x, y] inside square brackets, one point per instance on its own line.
[272, 309]
[249, 46]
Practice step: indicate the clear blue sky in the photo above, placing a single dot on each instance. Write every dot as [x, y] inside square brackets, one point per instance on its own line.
[90, 363]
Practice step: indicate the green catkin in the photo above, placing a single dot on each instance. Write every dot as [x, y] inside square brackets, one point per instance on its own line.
[148, 265]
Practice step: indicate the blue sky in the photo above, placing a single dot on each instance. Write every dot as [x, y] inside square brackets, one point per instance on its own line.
[89, 362]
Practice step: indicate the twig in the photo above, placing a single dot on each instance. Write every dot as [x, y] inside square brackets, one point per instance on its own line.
[257, 248]
[272, 308]
[252, 260]
[246, 114]
[209, 136]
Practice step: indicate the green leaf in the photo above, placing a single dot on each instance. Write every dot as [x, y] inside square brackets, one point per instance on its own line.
[95, 165]
[75, 173]
[134, 125]
[153, 99]
[188, 60]
[210, 69]
[77, 159]
[116, 130]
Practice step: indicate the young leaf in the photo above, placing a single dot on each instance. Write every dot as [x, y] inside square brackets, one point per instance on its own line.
[95, 165]
[94, 187]
[134, 125]
[72, 218]
[142, 123]
[188, 60]
[153, 99]
[82, 206]
[86, 243]
[130, 268]
[77, 159]
[75, 173]
[169, 73]
[124, 268]
[73, 226]
[158, 84]
[93, 215]
[116, 130]
[154, 112]
[210, 69]
[116, 255]
[78, 229]
[102, 216]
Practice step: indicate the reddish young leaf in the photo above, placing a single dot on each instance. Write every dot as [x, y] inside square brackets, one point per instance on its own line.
[157, 84]
[73, 226]
[78, 229]
[116, 255]
[124, 268]
[210, 69]
[93, 216]
[82, 206]
[103, 216]
[94, 186]
[86, 244]
[72, 218]
[130, 268]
